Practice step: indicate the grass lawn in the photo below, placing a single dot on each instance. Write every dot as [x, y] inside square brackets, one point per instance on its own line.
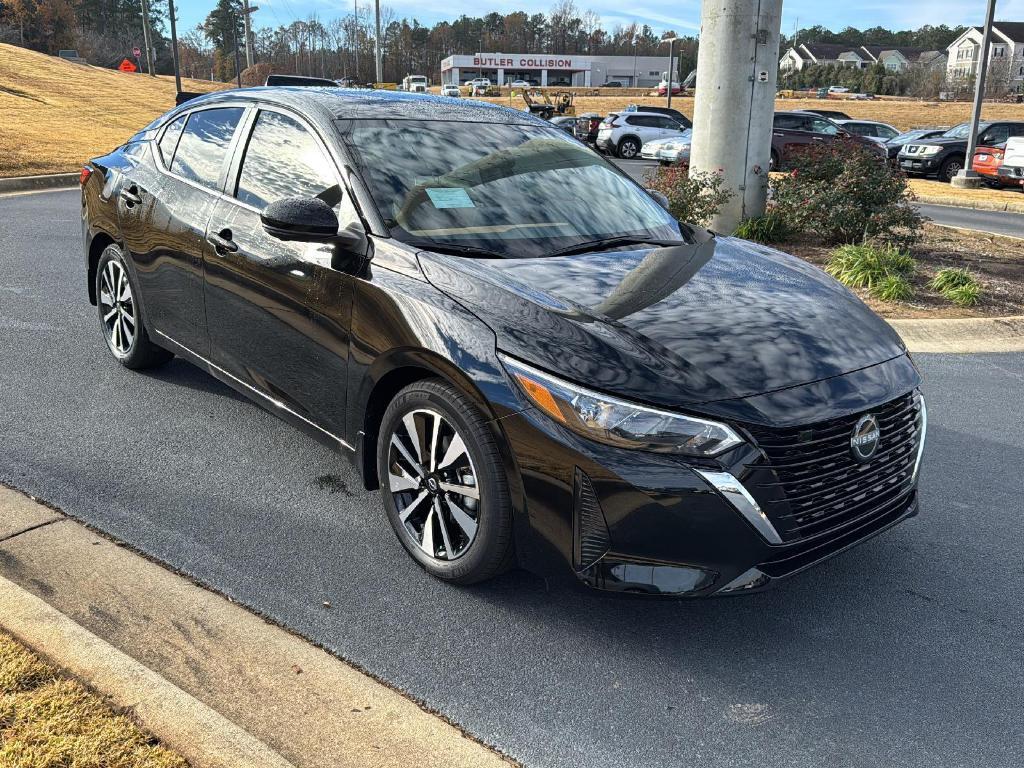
[50, 721]
[932, 191]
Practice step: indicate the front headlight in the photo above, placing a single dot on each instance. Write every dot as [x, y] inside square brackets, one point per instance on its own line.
[616, 422]
[928, 151]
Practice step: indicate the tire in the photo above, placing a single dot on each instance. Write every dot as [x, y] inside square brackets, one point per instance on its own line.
[469, 540]
[628, 148]
[950, 168]
[120, 318]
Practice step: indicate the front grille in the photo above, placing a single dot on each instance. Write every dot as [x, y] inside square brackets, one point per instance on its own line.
[813, 484]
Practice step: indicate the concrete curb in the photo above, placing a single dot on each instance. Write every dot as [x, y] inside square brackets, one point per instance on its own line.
[32, 183]
[965, 202]
[212, 680]
[184, 724]
[962, 335]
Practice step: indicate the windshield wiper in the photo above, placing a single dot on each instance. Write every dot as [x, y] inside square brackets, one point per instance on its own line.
[606, 243]
[457, 250]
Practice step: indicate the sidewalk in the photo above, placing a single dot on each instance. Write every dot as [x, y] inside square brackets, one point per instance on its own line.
[213, 681]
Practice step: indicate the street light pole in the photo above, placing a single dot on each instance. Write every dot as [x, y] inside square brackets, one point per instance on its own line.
[246, 10]
[377, 53]
[968, 177]
[174, 47]
[146, 38]
[737, 67]
[671, 68]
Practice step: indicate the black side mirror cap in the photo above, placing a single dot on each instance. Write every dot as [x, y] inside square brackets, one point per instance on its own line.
[302, 219]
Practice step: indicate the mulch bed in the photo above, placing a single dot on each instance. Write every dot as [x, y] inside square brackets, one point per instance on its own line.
[997, 262]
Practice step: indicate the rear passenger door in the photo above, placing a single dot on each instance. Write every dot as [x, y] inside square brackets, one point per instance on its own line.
[278, 312]
[788, 133]
[164, 209]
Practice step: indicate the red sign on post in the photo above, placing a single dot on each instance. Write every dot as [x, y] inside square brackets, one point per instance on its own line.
[127, 66]
[136, 52]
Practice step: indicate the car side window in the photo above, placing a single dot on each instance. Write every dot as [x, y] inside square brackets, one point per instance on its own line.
[997, 134]
[886, 132]
[788, 123]
[819, 125]
[860, 129]
[282, 160]
[204, 144]
[169, 140]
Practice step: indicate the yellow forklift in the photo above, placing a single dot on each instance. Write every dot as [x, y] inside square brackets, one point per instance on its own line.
[545, 105]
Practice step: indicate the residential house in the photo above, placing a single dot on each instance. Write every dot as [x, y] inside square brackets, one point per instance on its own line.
[808, 54]
[894, 59]
[1006, 53]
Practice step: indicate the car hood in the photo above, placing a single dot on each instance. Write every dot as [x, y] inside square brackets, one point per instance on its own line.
[940, 142]
[719, 319]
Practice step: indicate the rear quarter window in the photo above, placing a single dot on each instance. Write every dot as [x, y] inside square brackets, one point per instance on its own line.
[204, 144]
[169, 141]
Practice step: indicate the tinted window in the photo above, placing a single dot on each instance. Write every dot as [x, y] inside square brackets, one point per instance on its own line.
[203, 144]
[860, 129]
[170, 140]
[885, 131]
[820, 125]
[997, 134]
[644, 121]
[282, 160]
[788, 122]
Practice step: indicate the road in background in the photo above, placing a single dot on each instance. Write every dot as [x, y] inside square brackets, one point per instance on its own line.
[904, 651]
[992, 222]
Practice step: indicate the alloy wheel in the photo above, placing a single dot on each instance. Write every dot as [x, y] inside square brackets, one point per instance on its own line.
[117, 308]
[628, 149]
[433, 482]
[952, 169]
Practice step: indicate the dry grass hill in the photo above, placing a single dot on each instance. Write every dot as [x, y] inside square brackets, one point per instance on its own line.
[54, 114]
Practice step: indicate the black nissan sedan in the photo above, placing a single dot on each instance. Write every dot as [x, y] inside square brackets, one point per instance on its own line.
[530, 358]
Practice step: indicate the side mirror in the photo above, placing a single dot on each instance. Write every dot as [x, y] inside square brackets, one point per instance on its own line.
[303, 219]
[660, 198]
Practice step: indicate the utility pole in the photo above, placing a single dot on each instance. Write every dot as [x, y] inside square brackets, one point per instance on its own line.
[968, 178]
[246, 10]
[671, 62]
[377, 53]
[146, 39]
[737, 68]
[174, 47]
[238, 58]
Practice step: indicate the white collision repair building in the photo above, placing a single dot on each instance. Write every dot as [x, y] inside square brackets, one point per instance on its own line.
[553, 69]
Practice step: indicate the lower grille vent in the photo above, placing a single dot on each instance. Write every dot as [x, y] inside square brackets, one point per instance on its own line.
[590, 531]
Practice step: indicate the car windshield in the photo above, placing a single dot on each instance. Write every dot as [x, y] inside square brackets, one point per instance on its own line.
[511, 190]
[963, 130]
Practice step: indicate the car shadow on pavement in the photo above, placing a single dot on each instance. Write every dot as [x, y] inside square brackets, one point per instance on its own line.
[184, 374]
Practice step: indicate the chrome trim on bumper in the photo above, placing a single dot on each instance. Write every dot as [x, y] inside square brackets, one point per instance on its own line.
[734, 492]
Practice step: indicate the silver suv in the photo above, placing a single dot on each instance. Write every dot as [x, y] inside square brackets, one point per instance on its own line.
[624, 134]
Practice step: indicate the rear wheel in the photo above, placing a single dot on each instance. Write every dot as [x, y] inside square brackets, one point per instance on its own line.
[120, 319]
[629, 148]
[444, 485]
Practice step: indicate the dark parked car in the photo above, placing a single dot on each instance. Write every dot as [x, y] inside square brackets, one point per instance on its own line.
[945, 155]
[587, 126]
[831, 114]
[532, 360]
[566, 123]
[895, 144]
[791, 130]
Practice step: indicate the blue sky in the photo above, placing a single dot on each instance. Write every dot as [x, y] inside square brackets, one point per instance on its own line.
[681, 15]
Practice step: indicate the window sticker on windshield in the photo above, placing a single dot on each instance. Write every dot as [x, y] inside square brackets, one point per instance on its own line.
[449, 197]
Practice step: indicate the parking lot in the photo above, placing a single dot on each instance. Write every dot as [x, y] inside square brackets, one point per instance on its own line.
[905, 651]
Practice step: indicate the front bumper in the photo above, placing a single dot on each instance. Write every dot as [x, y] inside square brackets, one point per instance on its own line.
[623, 521]
[920, 165]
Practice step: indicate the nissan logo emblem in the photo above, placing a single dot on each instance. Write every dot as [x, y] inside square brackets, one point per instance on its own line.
[864, 441]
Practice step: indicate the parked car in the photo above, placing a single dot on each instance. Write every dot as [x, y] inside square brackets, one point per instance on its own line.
[613, 84]
[520, 84]
[300, 80]
[838, 89]
[451, 89]
[1013, 159]
[895, 144]
[669, 151]
[587, 126]
[945, 155]
[869, 129]
[668, 111]
[796, 129]
[677, 87]
[566, 123]
[536, 365]
[625, 134]
[988, 161]
[831, 114]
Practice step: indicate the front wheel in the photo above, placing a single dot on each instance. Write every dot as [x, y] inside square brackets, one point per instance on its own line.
[444, 485]
[629, 148]
[951, 168]
[120, 319]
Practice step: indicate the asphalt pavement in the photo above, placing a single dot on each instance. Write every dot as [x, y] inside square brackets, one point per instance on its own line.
[903, 652]
[994, 222]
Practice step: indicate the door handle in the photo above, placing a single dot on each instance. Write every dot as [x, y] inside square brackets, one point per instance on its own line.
[130, 196]
[817, 138]
[222, 242]
[777, 134]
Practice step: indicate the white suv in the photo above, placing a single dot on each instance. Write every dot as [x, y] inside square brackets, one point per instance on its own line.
[624, 134]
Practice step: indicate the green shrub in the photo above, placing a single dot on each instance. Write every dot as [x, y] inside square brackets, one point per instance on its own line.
[892, 288]
[867, 266]
[958, 285]
[693, 198]
[843, 192]
[770, 227]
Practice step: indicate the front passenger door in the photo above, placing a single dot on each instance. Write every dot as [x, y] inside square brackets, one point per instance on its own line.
[278, 313]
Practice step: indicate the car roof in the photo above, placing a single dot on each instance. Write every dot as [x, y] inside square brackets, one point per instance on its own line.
[844, 121]
[363, 104]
